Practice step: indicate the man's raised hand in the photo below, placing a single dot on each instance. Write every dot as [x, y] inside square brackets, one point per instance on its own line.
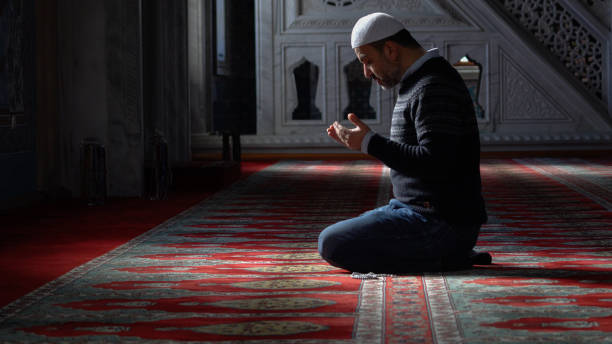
[349, 137]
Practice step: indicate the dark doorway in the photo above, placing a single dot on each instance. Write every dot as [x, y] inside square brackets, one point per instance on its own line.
[234, 103]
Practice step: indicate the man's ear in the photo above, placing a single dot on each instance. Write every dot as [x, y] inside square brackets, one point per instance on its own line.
[391, 51]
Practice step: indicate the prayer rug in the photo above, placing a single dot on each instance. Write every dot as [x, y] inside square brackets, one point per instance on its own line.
[242, 266]
[550, 234]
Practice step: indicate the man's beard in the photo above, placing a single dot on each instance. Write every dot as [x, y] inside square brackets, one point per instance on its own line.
[390, 80]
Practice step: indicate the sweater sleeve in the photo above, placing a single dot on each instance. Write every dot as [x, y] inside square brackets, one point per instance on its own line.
[366, 141]
[436, 113]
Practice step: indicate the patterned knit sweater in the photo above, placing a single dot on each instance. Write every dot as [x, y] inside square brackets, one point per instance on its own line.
[434, 147]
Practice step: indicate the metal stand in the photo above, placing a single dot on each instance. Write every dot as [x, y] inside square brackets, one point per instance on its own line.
[93, 171]
[231, 150]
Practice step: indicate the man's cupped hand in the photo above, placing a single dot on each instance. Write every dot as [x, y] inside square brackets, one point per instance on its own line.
[349, 137]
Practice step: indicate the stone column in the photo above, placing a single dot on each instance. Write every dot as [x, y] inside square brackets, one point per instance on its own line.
[100, 90]
[199, 38]
[47, 122]
[125, 151]
[166, 79]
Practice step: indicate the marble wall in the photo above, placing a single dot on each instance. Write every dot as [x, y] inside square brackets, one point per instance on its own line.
[528, 99]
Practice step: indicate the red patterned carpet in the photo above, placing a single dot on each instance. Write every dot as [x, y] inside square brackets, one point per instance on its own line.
[242, 266]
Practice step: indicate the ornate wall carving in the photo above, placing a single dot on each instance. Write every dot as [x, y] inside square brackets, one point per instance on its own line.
[570, 41]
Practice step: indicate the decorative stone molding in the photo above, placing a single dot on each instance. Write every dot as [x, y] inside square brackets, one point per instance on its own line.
[424, 8]
[545, 139]
[203, 142]
[523, 100]
[340, 15]
[339, 3]
[206, 142]
[408, 5]
[348, 23]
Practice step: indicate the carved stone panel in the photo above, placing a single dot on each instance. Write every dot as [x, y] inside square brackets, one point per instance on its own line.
[354, 92]
[359, 90]
[306, 78]
[523, 100]
[304, 88]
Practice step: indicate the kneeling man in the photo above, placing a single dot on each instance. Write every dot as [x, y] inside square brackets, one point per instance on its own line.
[433, 221]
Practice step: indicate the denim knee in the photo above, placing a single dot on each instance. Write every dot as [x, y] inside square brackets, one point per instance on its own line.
[330, 245]
[326, 244]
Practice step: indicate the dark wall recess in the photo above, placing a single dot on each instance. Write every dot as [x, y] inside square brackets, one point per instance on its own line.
[234, 107]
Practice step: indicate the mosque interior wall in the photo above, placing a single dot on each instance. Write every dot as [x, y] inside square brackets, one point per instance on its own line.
[127, 72]
[524, 95]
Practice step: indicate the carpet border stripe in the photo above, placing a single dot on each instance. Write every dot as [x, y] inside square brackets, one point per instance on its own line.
[371, 314]
[442, 316]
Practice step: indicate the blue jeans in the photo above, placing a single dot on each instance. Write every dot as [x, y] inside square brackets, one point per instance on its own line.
[394, 238]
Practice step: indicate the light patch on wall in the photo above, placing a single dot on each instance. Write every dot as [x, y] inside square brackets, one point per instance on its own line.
[470, 72]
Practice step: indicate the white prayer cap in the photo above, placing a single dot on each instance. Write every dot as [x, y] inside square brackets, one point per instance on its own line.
[374, 27]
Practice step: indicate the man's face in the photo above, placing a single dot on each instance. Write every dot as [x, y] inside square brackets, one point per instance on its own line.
[377, 66]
